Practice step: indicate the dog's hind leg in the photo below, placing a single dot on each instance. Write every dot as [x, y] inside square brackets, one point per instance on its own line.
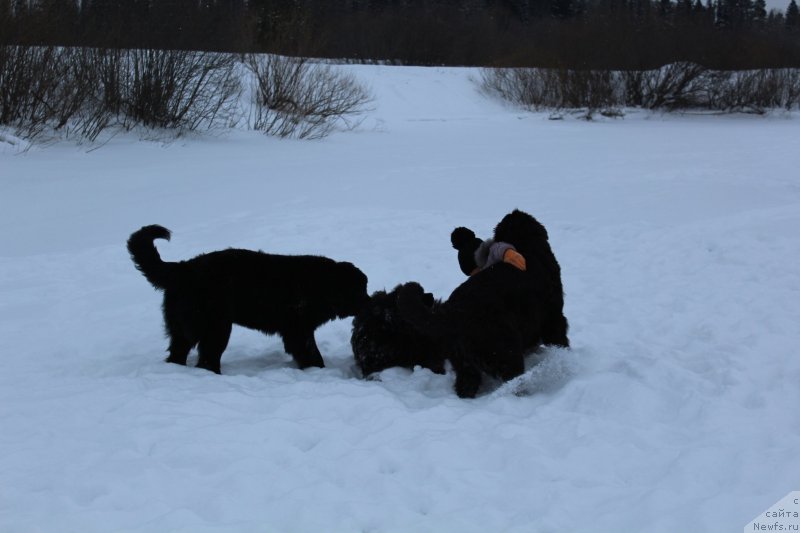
[179, 349]
[554, 331]
[468, 381]
[179, 342]
[213, 342]
[509, 355]
[303, 348]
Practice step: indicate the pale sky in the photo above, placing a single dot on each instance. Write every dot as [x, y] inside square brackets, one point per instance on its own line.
[778, 4]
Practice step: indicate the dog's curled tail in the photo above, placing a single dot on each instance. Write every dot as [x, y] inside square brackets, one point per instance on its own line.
[145, 256]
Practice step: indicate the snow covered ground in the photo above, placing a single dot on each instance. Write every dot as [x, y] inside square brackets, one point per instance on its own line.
[677, 409]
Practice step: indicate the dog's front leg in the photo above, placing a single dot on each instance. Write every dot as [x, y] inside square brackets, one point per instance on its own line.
[468, 381]
[303, 348]
[179, 349]
[212, 344]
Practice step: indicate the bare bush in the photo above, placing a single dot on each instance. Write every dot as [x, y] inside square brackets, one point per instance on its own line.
[687, 86]
[524, 87]
[672, 87]
[676, 86]
[33, 89]
[82, 91]
[48, 89]
[536, 88]
[755, 91]
[295, 98]
[172, 89]
[592, 89]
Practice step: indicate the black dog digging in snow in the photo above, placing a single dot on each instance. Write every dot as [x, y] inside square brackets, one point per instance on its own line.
[382, 339]
[277, 294]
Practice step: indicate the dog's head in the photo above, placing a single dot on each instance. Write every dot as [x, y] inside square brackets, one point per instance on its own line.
[383, 339]
[381, 309]
[350, 290]
[415, 290]
[530, 239]
[519, 229]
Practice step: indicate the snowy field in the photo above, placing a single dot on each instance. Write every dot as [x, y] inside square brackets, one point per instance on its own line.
[677, 409]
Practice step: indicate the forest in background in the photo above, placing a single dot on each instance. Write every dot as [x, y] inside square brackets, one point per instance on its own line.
[574, 34]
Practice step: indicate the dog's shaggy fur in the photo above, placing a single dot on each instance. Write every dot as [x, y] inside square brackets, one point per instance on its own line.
[530, 239]
[496, 317]
[382, 339]
[488, 325]
[276, 294]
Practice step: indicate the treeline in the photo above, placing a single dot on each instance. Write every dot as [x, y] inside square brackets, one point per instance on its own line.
[581, 34]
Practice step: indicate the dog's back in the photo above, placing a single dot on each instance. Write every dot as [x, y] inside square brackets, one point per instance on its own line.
[487, 324]
[271, 292]
[530, 238]
[500, 300]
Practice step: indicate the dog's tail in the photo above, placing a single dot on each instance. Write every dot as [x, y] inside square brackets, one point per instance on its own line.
[145, 256]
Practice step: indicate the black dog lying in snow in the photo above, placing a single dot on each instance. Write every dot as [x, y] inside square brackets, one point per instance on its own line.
[288, 295]
[382, 339]
[488, 324]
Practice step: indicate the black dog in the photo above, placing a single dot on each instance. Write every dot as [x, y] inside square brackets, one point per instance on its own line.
[288, 295]
[529, 238]
[486, 326]
[489, 323]
[382, 339]
[501, 313]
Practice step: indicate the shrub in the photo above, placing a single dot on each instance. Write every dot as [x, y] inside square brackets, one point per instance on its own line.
[755, 91]
[536, 88]
[172, 89]
[295, 98]
[37, 91]
[672, 87]
[675, 86]
[82, 91]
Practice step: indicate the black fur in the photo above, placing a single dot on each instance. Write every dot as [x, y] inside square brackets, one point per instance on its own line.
[492, 320]
[489, 323]
[277, 294]
[382, 339]
[530, 239]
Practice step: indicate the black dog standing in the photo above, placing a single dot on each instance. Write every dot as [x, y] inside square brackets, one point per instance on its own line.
[277, 294]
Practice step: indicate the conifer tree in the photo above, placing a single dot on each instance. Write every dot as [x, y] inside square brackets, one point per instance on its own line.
[562, 9]
[759, 11]
[792, 16]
